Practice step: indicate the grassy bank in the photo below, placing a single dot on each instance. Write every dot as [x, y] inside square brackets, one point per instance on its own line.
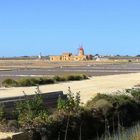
[25, 82]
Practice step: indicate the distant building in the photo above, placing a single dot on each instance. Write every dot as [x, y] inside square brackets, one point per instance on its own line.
[70, 57]
[40, 56]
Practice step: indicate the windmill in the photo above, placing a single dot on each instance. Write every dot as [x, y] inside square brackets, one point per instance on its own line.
[80, 50]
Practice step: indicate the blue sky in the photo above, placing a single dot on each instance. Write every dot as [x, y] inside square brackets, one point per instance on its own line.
[28, 27]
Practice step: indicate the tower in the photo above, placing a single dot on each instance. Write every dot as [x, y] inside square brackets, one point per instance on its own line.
[81, 51]
[40, 56]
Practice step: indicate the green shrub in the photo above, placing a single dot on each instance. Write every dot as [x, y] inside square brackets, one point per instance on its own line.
[59, 78]
[74, 77]
[72, 121]
[115, 100]
[71, 103]
[43, 81]
[32, 112]
[85, 76]
[25, 82]
[35, 81]
[104, 106]
[1, 112]
[9, 83]
[116, 105]
[70, 78]
[135, 93]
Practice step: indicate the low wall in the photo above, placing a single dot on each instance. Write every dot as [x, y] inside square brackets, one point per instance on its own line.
[49, 99]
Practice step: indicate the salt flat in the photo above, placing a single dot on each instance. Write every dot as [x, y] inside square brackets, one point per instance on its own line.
[88, 88]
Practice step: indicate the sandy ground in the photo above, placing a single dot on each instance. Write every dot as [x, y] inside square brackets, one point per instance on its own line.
[5, 135]
[88, 88]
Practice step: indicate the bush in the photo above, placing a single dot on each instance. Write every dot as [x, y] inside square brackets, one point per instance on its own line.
[85, 76]
[13, 124]
[35, 81]
[25, 82]
[59, 78]
[115, 100]
[76, 77]
[135, 93]
[104, 106]
[32, 112]
[73, 78]
[71, 104]
[43, 81]
[1, 112]
[116, 105]
[9, 83]
[70, 78]
[71, 121]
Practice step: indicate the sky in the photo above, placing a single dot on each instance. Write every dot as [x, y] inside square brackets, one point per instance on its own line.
[107, 27]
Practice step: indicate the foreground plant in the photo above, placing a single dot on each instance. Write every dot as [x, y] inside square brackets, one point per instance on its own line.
[32, 112]
[104, 115]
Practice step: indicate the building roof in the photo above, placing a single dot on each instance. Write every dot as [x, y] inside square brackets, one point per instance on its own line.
[81, 48]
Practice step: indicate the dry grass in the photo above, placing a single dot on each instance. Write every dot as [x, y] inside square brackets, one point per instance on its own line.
[132, 133]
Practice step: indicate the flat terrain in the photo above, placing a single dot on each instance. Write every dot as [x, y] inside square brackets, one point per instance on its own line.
[106, 77]
[88, 88]
[38, 68]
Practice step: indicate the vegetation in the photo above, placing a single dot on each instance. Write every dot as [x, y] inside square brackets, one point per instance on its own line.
[32, 112]
[72, 104]
[41, 81]
[1, 113]
[9, 83]
[132, 133]
[75, 77]
[103, 117]
[59, 78]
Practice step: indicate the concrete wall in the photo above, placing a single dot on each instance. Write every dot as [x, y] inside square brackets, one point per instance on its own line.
[49, 99]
